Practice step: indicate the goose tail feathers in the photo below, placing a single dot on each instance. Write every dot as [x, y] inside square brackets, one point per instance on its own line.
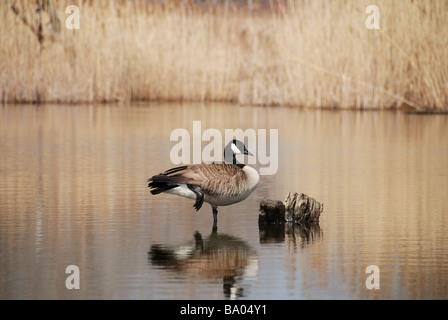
[164, 181]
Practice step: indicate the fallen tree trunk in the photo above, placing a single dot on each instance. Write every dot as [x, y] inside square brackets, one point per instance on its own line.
[297, 208]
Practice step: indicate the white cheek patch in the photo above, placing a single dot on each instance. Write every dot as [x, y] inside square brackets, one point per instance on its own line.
[235, 149]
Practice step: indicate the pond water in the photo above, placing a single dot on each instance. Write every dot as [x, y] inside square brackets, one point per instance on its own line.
[73, 191]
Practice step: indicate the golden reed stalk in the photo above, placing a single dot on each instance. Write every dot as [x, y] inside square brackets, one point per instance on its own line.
[297, 53]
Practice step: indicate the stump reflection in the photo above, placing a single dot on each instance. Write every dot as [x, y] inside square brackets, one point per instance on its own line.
[295, 234]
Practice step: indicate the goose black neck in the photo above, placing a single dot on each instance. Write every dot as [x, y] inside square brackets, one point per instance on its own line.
[241, 165]
[237, 163]
[234, 161]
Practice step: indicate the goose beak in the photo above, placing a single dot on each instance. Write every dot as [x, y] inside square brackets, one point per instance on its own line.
[247, 152]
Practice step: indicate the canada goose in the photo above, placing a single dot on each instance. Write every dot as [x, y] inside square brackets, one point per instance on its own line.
[219, 184]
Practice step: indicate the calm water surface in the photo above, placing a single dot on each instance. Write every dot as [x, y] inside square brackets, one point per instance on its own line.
[73, 192]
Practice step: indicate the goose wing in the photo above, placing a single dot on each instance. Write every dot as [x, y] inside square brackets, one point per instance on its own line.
[215, 178]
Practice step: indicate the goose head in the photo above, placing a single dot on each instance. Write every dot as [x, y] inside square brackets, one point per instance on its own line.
[233, 148]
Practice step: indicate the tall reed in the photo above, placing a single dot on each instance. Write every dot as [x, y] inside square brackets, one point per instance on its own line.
[306, 53]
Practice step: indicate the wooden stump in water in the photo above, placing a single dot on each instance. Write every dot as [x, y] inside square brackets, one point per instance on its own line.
[271, 211]
[297, 207]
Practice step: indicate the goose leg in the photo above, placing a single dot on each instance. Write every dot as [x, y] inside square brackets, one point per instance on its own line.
[215, 217]
[199, 196]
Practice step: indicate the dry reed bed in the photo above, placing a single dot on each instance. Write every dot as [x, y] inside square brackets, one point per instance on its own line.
[310, 53]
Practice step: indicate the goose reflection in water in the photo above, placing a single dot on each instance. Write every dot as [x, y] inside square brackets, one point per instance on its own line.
[216, 256]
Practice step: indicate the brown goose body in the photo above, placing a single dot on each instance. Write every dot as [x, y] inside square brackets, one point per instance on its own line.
[223, 184]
